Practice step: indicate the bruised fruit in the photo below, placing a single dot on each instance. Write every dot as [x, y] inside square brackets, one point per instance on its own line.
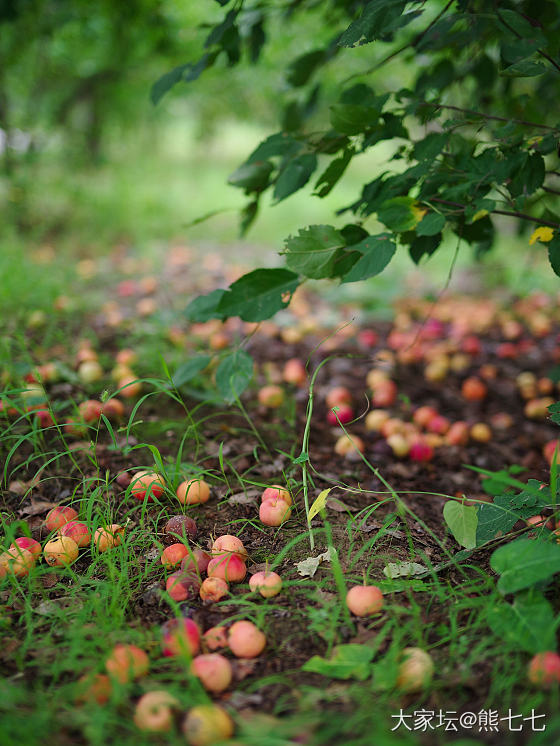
[155, 712]
[246, 640]
[277, 491]
[544, 669]
[79, 532]
[213, 670]
[274, 512]
[24, 542]
[173, 555]
[182, 586]
[127, 662]
[180, 527]
[213, 589]
[108, 537]
[60, 551]
[97, 689]
[215, 638]
[271, 396]
[196, 562]
[17, 561]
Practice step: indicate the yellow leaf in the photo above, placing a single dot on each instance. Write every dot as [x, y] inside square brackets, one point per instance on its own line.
[318, 504]
[418, 212]
[478, 215]
[543, 234]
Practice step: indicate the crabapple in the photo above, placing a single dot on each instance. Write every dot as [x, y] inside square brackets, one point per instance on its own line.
[274, 512]
[367, 338]
[213, 589]
[17, 561]
[196, 562]
[246, 640]
[384, 393]
[180, 636]
[399, 445]
[204, 725]
[364, 600]
[228, 544]
[342, 414]
[213, 670]
[108, 537]
[423, 415]
[58, 516]
[215, 638]
[392, 426]
[79, 532]
[123, 479]
[473, 389]
[415, 670]
[438, 424]
[481, 432]
[129, 386]
[338, 396]
[458, 434]
[173, 555]
[271, 396]
[127, 662]
[349, 446]
[154, 712]
[147, 483]
[181, 585]
[193, 492]
[24, 542]
[294, 372]
[420, 450]
[126, 356]
[268, 584]
[550, 448]
[544, 669]
[60, 551]
[113, 409]
[180, 527]
[375, 419]
[90, 410]
[228, 567]
[44, 418]
[90, 371]
[97, 689]
[277, 491]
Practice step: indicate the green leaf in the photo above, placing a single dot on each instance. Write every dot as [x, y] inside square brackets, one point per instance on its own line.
[497, 518]
[404, 569]
[398, 214]
[279, 144]
[422, 246]
[529, 177]
[314, 251]
[301, 69]
[377, 251]
[524, 69]
[377, 19]
[554, 259]
[352, 119]
[186, 73]
[462, 521]
[554, 409]
[233, 375]
[524, 562]
[205, 307]
[318, 504]
[349, 661]
[431, 146]
[253, 177]
[529, 623]
[258, 295]
[430, 224]
[333, 173]
[294, 175]
[190, 369]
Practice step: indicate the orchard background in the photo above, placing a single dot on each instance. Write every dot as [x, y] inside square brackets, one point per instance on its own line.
[297, 263]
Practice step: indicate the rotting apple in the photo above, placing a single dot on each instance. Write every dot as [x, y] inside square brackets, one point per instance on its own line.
[108, 537]
[340, 414]
[294, 372]
[271, 396]
[94, 689]
[182, 585]
[337, 396]
[60, 551]
[213, 589]
[197, 562]
[180, 527]
[174, 554]
[90, 410]
[276, 491]
[113, 409]
[17, 561]
[349, 446]
[215, 638]
[90, 371]
[25, 542]
[544, 669]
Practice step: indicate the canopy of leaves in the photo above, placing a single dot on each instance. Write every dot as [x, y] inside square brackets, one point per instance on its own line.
[470, 131]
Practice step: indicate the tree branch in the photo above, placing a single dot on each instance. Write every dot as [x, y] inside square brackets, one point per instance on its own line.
[482, 115]
[509, 213]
